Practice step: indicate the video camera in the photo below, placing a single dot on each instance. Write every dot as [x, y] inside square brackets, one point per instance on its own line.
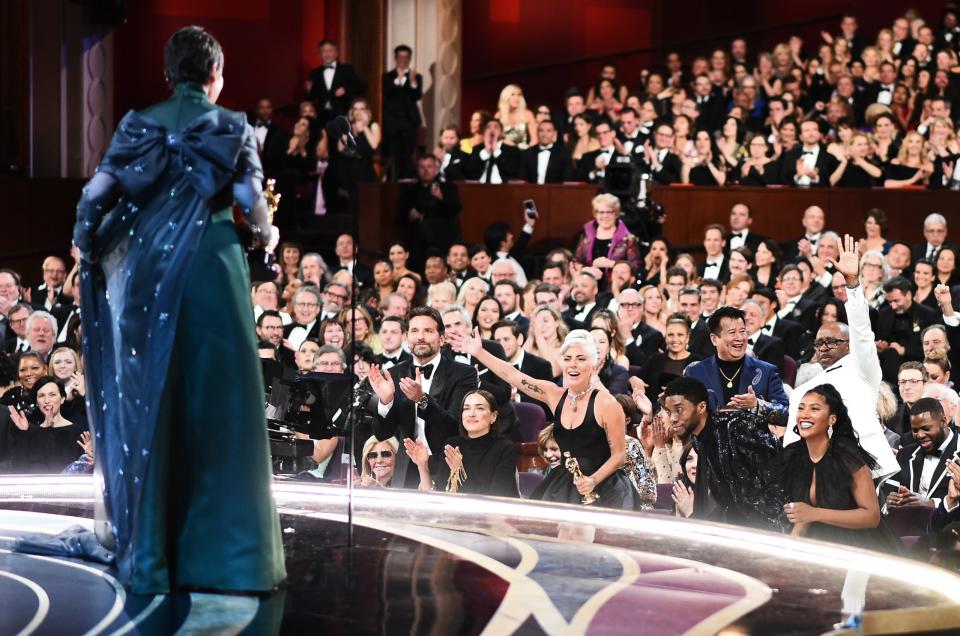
[625, 180]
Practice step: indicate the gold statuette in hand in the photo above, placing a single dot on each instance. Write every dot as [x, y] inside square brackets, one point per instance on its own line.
[573, 466]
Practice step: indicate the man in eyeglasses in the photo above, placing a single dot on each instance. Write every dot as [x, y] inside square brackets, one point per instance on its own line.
[848, 356]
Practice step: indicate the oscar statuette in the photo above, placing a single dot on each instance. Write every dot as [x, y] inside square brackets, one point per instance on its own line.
[573, 466]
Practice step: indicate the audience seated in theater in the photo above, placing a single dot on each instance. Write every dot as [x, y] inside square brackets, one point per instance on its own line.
[547, 161]
[494, 161]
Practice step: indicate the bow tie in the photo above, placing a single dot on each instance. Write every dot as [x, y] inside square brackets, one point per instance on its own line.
[387, 359]
[262, 124]
[330, 66]
[809, 152]
[546, 148]
[426, 370]
[768, 328]
[935, 453]
[736, 235]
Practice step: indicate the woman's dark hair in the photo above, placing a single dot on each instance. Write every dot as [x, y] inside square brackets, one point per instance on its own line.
[491, 402]
[880, 217]
[837, 304]
[684, 454]
[329, 322]
[741, 129]
[774, 249]
[610, 352]
[44, 381]
[843, 427]
[418, 295]
[476, 310]
[190, 55]
[31, 354]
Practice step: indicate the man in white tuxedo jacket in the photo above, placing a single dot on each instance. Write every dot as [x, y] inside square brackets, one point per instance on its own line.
[848, 355]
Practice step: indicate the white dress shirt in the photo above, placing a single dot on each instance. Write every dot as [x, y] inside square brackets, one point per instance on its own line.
[712, 270]
[260, 130]
[739, 241]
[930, 462]
[543, 159]
[857, 376]
[328, 73]
[495, 171]
[809, 157]
[426, 383]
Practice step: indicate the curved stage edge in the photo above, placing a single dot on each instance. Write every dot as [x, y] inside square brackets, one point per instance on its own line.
[423, 563]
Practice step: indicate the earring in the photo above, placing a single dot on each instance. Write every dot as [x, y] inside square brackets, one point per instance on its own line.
[829, 432]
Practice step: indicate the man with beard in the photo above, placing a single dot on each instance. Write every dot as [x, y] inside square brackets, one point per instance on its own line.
[736, 458]
[421, 398]
[270, 329]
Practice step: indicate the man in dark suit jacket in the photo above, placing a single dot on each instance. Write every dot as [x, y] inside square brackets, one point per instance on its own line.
[935, 233]
[765, 347]
[660, 160]
[510, 336]
[421, 398]
[494, 161]
[548, 161]
[272, 140]
[903, 42]
[789, 331]
[741, 217]
[808, 164]
[899, 323]
[453, 161]
[711, 108]
[401, 88]
[428, 212]
[54, 276]
[346, 251]
[592, 167]
[333, 85]
[924, 477]
[583, 303]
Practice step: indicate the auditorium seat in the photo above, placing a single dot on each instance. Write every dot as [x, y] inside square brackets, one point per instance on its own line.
[530, 421]
[789, 370]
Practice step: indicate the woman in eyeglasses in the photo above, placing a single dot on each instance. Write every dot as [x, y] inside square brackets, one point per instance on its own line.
[476, 462]
[379, 460]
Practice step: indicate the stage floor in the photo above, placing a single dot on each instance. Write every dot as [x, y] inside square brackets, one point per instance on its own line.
[422, 563]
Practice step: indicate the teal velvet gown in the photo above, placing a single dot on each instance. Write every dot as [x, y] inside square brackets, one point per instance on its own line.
[176, 399]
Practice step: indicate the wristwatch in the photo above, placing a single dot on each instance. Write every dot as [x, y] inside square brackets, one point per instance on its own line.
[423, 402]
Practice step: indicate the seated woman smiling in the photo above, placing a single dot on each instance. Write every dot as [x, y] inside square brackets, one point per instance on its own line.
[478, 461]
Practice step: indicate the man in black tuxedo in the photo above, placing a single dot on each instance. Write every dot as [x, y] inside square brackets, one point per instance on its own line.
[333, 85]
[593, 165]
[799, 295]
[428, 211]
[453, 160]
[401, 88]
[511, 337]
[15, 340]
[899, 324]
[712, 110]
[789, 331]
[509, 294]
[270, 329]
[813, 222]
[768, 348]
[272, 140]
[741, 217]
[808, 165]
[935, 233]
[699, 342]
[924, 478]
[421, 398]
[548, 161]
[632, 135]
[644, 341]
[49, 295]
[716, 265]
[574, 104]
[493, 161]
[583, 301]
[392, 332]
[881, 91]
[457, 322]
[903, 42]
[346, 251]
[306, 316]
[659, 159]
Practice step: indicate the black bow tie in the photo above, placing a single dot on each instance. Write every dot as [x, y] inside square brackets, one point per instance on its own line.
[387, 359]
[546, 148]
[935, 453]
[262, 124]
[736, 235]
[809, 152]
[331, 66]
[426, 370]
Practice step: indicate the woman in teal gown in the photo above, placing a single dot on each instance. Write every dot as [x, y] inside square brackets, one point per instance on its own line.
[175, 394]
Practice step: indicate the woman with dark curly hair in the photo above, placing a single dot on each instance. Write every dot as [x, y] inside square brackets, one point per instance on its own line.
[826, 477]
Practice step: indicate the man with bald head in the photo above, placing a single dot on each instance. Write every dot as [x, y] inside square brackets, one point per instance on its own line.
[813, 222]
[848, 356]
